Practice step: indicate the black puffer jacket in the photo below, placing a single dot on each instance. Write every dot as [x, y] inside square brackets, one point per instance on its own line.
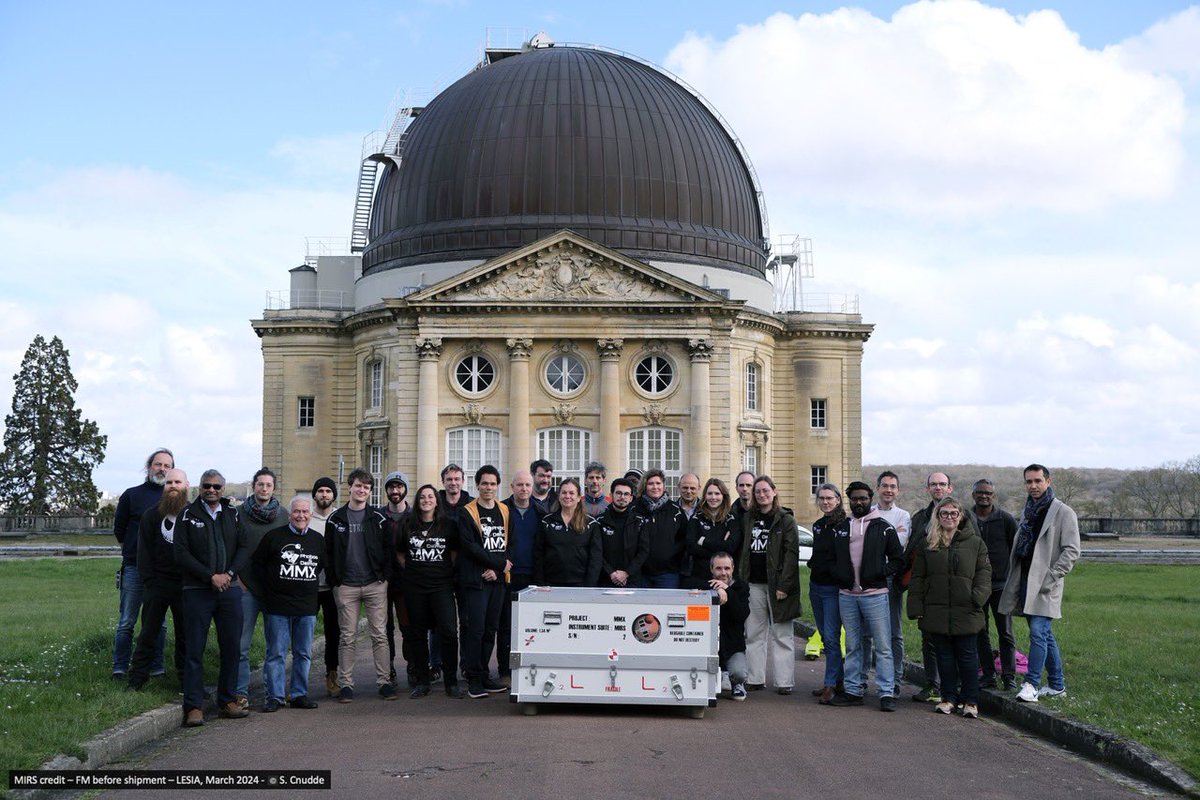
[950, 585]
[666, 528]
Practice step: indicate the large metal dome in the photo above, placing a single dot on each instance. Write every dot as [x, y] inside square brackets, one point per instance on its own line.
[567, 137]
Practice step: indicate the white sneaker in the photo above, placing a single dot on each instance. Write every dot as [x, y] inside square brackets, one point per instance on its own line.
[1046, 691]
[1028, 694]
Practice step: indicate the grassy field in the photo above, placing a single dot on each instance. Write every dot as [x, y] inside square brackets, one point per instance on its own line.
[1130, 636]
[58, 618]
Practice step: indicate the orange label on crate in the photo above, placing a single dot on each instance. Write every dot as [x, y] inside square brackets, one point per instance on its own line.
[698, 613]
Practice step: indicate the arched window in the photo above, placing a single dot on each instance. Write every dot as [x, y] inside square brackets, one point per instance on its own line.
[657, 448]
[568, 449]
[471, 447]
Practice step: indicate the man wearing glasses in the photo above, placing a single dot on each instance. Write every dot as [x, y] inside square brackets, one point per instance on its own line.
[211, 551]
[624, 546]
[998, 529]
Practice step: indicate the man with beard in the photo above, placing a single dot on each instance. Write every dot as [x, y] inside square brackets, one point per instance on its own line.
[395, 488]
[999, 530]
[594, 499]
[544, 496]
[210, 549]
[161, 581]
[624, 547]
[259, 514]
[136, 501]
[744, 485]
[324, 494]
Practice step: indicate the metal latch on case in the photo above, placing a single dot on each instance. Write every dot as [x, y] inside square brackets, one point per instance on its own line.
[548, 686]
[676, 687]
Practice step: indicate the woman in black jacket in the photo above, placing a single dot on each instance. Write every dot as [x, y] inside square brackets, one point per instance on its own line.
[711, 530]
[823, 588]
[566, 549]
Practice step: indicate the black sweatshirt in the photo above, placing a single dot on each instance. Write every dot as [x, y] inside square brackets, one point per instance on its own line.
[286, 564]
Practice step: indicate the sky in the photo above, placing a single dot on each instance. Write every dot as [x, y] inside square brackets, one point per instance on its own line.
[1011, 190]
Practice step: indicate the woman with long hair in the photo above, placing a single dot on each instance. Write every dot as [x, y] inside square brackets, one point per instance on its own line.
[823, 588]
[951, 582]
[426, 547]
[566, 549]
[711, 530]
[770, 563]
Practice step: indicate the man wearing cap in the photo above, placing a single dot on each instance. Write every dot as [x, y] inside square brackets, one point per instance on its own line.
[324, 494]
[395, 488]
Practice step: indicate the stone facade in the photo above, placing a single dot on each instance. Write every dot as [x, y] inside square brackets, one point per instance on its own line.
[567, 350]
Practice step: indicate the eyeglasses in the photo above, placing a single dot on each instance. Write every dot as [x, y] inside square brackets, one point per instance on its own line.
[949, 514]
[217, 486]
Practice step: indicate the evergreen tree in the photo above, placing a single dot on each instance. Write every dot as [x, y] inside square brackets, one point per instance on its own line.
[49, 449]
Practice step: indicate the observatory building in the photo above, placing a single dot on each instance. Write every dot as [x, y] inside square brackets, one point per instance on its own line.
[563, 255]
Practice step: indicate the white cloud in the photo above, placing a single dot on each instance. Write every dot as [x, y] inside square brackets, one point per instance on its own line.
[922, 347]
[949, 107]
[1167, 46]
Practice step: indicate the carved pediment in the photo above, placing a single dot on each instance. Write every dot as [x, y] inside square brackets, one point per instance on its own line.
[565, 268]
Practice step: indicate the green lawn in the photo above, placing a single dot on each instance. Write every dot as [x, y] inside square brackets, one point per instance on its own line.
[1130, 637]
[58, 618]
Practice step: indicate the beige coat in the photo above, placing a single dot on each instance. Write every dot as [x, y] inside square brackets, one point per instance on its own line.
[1054, 555]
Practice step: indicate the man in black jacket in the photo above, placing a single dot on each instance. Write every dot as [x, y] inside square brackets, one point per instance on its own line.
[210, 549]
[361, 552]
[998, 529]
[484, 549]
[734, 595]
[624, 544]
[161, 581]
[867, 552]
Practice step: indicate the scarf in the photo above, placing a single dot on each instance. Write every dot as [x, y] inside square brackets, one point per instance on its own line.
[262, 513]
[1025, 538]
[654, 505]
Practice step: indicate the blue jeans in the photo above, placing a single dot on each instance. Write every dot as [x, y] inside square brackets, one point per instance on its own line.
[131, 607]
[828, 614]
[281, 632]
[202, 608]
[1043, 653]
[663, 580]
[250, 610]
[867, 612]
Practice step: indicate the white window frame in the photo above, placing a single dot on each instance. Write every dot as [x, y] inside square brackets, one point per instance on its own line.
[472, 446]
[657, 447]
[752, 385]
[662, 359]
[375, 467]
[467, 390]
[375, 383]
[750, 459]
[568, 449]
[306, 412]
[563, 360]
[818, 474]
[818, 414]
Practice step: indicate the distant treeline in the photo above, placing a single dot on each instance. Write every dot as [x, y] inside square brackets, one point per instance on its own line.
[1169, 490]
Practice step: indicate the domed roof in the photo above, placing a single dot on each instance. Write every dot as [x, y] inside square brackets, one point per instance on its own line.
[567, 137]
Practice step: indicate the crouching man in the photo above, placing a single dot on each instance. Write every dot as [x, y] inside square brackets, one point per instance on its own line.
[288, 560]
[734, 595]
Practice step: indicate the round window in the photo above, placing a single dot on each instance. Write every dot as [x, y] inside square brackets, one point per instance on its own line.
[475, 374]
[654, 374]
[564, 374]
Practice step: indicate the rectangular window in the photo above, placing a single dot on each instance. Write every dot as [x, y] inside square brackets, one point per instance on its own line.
[818, 477]
[658, 448]
[375, 467]
[750, 460]
[568, 449]
[376, 384]
[306, 413]
[471, 448]
[752, 386]
[817, 416]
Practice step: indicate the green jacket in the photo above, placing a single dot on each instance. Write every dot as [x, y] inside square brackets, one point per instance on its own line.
[783, 563]
[950, 586]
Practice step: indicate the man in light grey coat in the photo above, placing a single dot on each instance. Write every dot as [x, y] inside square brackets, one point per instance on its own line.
[1045, 550]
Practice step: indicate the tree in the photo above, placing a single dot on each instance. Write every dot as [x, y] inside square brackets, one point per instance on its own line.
[49, 449]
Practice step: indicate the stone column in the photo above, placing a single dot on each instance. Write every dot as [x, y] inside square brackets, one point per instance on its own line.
[609, 351]
[429, 353]
[699, 460]
[519, 351]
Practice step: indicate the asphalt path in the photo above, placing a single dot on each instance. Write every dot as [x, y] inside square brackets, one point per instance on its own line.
[768, 746]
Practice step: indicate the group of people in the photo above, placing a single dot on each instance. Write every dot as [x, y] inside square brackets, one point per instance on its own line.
[959, 564]
[442, 566]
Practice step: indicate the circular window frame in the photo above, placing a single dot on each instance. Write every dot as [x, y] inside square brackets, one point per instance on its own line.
[463, 391]
[554, 391]
[670, 388]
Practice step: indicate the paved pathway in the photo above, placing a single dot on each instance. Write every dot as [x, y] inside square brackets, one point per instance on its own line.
[769, 746]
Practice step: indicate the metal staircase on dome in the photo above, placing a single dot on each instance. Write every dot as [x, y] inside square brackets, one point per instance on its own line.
[378, 149]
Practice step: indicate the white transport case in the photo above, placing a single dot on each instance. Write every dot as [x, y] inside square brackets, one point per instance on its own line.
[635, 646]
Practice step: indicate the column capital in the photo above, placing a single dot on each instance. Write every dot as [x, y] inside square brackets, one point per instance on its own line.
[700, 349]
[429, 348]
[610, 349]
[519, 349]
